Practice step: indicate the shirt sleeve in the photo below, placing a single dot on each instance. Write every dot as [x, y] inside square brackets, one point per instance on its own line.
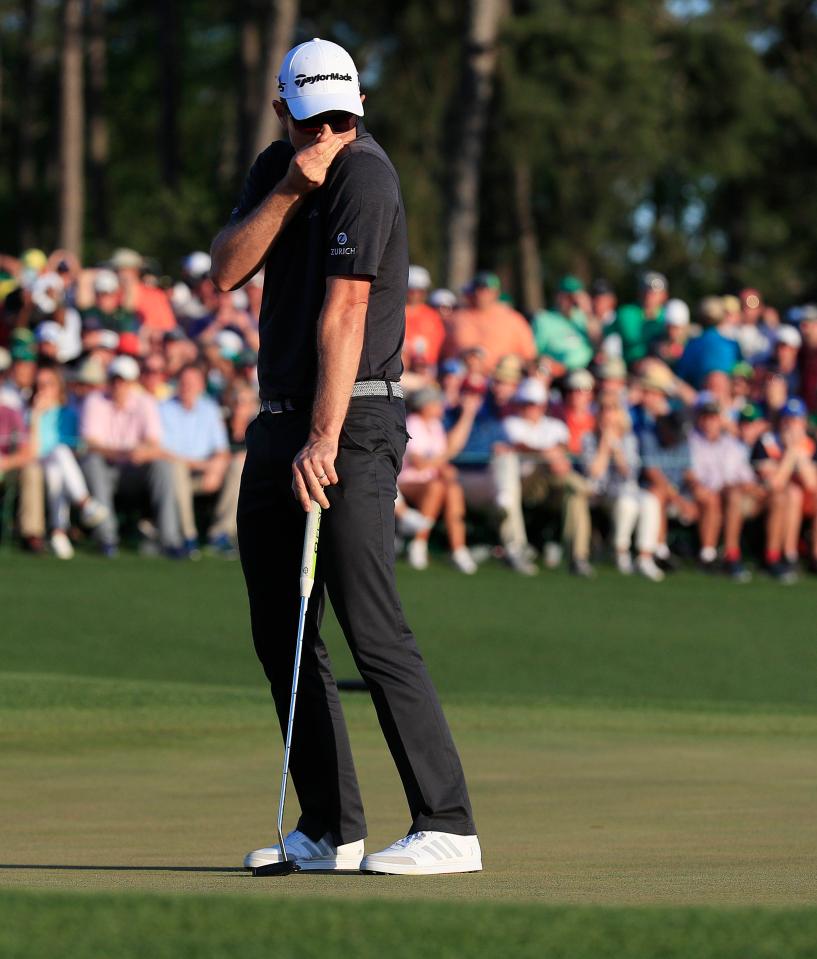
[90, 426]
[269, 167]
[362, 204]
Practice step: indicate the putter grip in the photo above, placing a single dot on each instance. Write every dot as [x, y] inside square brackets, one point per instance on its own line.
[310, 555]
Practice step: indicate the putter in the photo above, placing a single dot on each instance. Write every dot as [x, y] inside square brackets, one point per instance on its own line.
[310, 557]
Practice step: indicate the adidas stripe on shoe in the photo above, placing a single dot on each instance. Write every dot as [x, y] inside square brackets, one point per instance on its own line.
[426, 854]
[310, 854]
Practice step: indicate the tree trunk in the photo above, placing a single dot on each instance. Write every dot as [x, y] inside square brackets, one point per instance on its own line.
[472, 108]
[249, 77]
[25, 131]
[281, 19]
[169, 33]
[530, 263]
[98, 140]
[72, 121]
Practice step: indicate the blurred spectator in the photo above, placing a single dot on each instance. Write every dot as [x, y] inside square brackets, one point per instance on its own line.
[488, 467]
[668, 345]
[549, 482]
[195, 438]
[154, 377]
[564, 334]
[150, 302]
[578, 409]
[637, 324]
[429, 482]
[720, 465]
[784, 361]
[713, 349]
[178, 351]
[123, 434]
[808, 356]
[603, 303]
[490, 324]
[63, 322]
[15, 460]
[754, 337]
[612, 464]
[775, 397]
[105, 310]
[425, 332]
[54, 429]
[785, 463]
[667, 466]
[445, 303]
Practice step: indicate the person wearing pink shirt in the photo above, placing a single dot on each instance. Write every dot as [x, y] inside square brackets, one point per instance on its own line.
[122, 432]
[430, 483]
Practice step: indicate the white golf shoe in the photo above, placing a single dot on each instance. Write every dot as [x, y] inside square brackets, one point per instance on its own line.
[322, 854]
[426, 854]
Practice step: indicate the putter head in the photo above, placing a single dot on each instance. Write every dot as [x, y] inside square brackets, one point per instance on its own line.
[285, 868]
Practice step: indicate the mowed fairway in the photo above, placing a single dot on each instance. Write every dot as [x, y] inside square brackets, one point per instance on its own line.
[627, 746]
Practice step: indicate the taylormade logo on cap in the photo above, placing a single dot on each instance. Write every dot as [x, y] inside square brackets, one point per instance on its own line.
[317, 77]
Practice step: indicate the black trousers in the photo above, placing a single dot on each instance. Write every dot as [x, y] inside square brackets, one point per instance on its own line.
[356, 568]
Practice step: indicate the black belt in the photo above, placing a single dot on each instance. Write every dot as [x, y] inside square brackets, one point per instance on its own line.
[361, 388]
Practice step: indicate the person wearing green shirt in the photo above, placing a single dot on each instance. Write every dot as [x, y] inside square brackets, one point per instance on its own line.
[639, 323]
[563, 334]
[107, 313]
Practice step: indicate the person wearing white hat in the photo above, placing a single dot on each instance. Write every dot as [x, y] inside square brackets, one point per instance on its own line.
[668, 344]
[323, 213]
[122, 433]
[548, 478]
[425, 331]
[787, 345]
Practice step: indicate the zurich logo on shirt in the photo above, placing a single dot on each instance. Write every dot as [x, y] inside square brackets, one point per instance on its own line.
[343, 239]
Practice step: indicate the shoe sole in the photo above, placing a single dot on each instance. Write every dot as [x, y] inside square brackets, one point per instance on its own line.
[406, 869]
[311, 865]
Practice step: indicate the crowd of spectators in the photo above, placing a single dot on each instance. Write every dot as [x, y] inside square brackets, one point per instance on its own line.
[123, 395]
[647, 429]
[659, 430]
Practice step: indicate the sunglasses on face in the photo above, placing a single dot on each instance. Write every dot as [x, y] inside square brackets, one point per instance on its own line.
[337, 121]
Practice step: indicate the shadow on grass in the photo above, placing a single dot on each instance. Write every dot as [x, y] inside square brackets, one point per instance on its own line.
[68, 868]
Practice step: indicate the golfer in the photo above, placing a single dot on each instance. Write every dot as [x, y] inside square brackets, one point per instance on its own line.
[323, 215]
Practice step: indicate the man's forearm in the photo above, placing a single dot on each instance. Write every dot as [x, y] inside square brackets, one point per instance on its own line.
[340, 341]
[238, 250]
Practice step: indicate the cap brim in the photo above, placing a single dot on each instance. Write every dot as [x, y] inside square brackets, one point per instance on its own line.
[304, 107]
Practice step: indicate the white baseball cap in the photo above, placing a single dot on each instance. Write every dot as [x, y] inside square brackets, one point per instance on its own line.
[789, 336]
[125, 368]
[676, 313]
[49, 332]
[106, 281]
[418, 278]
[531, 391]
[197, 264]
[443, 297]
[319, 76]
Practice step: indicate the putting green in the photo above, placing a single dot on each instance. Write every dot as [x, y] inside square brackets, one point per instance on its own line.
[139, 755]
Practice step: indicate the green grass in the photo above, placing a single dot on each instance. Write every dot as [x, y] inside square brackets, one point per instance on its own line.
[645, 751]
[88, 928]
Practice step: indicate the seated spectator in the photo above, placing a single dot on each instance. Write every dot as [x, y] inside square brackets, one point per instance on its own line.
[784, 360]
[452, 374]
[612, 465]
[178, 351]
[445, 303]
[669, 343]
[637, 324]
[231, 315]
[653, 393]
[15, 455]
[785, 463]
[487, 465]
[54, 430]
[578, 409]
[549, 482]
[429, 482]
[756, 339]
[100, 305]
[16, 391]
[566, 333]
[489, 323]
[425, 332]
[667, 468]
[808, 356]
[775, 397]
[150, 303]
[122, 431]
[195, 441]
[721, 466]
[64, 323]
[153, 377]
[713, 349]
[603, 303]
